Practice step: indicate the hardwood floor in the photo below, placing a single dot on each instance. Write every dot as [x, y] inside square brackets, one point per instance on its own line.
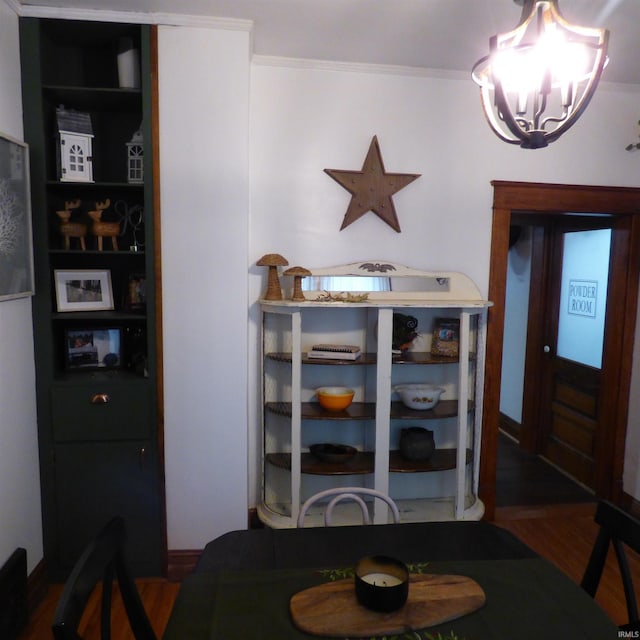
[157, 596]
[564, 534]
[554, 515]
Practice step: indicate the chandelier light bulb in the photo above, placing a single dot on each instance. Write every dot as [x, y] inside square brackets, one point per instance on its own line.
[539, 78]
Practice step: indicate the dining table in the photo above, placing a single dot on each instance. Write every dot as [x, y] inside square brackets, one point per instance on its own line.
[244, 581]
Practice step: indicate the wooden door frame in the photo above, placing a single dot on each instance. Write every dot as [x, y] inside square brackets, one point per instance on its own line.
[555, 199]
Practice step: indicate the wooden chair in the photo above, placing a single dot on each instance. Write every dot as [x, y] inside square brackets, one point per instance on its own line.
[101, 561]
[347, 493]
[619, 528]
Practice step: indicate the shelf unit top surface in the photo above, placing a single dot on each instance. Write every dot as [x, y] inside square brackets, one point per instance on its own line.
[385, 284]
[374, 301]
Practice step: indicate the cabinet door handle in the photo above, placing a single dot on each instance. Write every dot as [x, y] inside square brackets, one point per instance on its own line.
[143, 457]
[99, 398]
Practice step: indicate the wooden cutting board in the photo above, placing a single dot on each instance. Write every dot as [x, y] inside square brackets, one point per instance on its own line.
[332, 610]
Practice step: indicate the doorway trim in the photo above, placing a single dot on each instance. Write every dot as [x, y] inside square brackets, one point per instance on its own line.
[561, 199]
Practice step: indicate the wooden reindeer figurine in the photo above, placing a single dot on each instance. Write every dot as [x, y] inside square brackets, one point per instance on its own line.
[104, 229]
[70, 229]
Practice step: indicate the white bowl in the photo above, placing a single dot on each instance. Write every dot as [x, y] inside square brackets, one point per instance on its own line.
[419, 396]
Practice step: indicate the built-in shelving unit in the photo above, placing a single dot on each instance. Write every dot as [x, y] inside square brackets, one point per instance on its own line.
[98, 411]
[442, 487]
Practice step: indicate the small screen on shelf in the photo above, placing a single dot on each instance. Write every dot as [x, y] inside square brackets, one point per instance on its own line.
[93, 348]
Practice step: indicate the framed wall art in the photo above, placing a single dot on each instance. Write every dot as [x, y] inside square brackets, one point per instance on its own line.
[83, 290]
[16, 250]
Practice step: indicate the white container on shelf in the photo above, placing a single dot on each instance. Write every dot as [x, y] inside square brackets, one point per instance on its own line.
[128, 64]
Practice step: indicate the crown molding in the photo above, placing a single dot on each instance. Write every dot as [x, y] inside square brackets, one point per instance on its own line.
[134, 17]
[397, 70]
[359, 67]
[618, 87]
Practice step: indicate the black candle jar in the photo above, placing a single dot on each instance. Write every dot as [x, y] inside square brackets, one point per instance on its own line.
[382, 583]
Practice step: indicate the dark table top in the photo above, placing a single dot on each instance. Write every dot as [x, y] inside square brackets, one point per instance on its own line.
[244, 579]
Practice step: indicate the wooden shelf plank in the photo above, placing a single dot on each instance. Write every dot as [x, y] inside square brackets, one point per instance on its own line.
[444, 409]
[421, 357]
[363, 462]
[409, 357]
[95, 98]
[365, 358]
[367, 411]
[313, 411]
[441, 460]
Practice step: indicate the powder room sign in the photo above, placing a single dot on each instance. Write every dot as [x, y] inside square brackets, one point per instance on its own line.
[583, 295]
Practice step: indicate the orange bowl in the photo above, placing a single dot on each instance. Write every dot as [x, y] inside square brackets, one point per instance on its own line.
[335, 398]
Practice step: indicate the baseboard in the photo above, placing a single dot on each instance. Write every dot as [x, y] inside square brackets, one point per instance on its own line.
[181, 562]
[509, 426]
[631, 504]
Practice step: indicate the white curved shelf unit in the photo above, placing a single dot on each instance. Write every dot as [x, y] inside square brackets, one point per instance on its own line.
[443, 488]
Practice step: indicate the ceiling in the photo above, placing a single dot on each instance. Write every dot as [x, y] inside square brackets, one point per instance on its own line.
[433, 34]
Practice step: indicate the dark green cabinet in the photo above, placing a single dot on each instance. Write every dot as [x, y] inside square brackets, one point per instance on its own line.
[96, 368]
[108, 477]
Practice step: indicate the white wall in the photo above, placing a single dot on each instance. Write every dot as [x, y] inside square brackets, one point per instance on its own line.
[204, 103]
[19, 471]
[306, 119]
[516, 318]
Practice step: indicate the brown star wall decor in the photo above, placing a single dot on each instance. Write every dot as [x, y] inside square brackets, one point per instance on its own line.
[371, 189]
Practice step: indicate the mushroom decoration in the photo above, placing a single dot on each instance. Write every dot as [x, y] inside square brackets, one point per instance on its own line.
[273, 261]
[298, 273]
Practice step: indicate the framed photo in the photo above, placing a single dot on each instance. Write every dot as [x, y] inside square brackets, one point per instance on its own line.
[93, 348]
[446, 337]
[83, 290]
[135, 298]
[16, 250]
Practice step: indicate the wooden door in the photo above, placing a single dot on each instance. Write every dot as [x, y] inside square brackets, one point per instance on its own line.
[574, 312]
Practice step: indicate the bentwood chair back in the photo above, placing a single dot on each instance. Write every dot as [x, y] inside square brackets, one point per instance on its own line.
[619, 528]
[347, 493]
[101, 561]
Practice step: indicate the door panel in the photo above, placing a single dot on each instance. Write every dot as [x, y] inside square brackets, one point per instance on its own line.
[573, 418]
[97, 481]
[573, 428]
[575, 308]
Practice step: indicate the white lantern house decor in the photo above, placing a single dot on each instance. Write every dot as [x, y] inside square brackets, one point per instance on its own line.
[135, 157]
[75, 139]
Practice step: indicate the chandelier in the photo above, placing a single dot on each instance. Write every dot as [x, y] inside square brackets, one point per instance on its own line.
[539, 78]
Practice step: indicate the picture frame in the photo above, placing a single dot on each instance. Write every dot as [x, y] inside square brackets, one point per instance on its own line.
[16, 244]
[135, 298]
[83, 290]
[93, 348]
[446, 337]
